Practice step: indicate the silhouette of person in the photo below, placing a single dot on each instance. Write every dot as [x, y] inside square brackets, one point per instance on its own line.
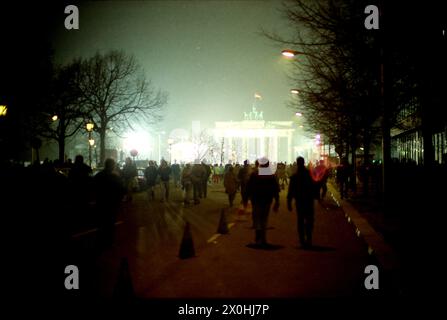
[302, 189]
[129, 173]
[343, 173]
[205, 178]
[197, 174]
[186, 181]
[109, 193]
[243, 177]
[230, 184]
[151, 173]
[164, 171]
[320, 174]
[262, 188]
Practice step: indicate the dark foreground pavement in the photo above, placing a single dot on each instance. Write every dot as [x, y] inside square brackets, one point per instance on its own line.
[149, 234]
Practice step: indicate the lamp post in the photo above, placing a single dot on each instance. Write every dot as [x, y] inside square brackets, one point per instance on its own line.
[159, 133]
[91, 142]
[170, 142]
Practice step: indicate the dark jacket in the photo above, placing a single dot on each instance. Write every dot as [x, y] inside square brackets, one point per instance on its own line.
[262, 189]
[109, 189]
[302, 189]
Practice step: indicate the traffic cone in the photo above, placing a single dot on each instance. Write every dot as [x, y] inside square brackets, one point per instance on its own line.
[241, 213]
[187, 245]
[223, 225]
[249, 208]
[123, 290]
[241, 210]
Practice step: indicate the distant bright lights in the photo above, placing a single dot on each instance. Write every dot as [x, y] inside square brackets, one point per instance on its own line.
[288, 53]
[140, 141]
[184, 152]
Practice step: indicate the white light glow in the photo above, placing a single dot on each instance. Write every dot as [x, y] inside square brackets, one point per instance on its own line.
[288, 53]
[139, 141]
[184, 152]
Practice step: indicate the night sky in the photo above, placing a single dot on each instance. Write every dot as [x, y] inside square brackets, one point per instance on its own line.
[208, 55]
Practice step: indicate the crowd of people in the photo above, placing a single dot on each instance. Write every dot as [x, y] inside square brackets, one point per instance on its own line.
[77, 189]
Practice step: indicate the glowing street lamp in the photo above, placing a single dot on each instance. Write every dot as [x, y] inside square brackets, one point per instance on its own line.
[294, 91]
[289, 53]
[298, 114]
[89, 126]
[3, 110]
[55, 117]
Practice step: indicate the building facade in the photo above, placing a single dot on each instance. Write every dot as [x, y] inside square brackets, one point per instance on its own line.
[254, 137]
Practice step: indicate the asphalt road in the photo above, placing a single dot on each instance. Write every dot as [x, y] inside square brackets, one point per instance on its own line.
[149, 234]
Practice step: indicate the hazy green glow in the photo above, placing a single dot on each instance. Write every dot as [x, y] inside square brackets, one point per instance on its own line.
[208, 55]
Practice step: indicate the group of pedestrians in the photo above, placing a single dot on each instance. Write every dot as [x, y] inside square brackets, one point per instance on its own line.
[194, 181]
[261, 186]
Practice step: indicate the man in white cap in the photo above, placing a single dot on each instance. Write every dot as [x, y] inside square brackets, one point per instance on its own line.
[262, 188]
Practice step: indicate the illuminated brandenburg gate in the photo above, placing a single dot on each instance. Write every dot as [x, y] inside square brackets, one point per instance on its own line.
[254, 137]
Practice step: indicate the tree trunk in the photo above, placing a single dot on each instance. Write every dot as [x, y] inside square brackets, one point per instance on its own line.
[354, 165]
[61, 143]
[366, 162]
[37, 155]
[102, 145]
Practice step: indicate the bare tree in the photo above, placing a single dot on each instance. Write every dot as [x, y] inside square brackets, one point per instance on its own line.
[117, 93]
[65, 114]
[204, 142]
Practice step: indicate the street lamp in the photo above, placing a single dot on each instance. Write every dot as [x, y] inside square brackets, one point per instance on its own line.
[294, 91]
[298, 114]
[91, 142]
[3, 110]
[55, 117]
[290, 53]
[170, 142]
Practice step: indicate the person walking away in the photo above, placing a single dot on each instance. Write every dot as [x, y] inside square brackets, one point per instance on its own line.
[343, 177]
[80, 184]
[186, 181]
[215, 174]
[151, 173]
[230, 184]
[129, 174]
[320, 175]
[175, 168]
[206, 178]
[243, 177]
[164, 172]
[110, 190]
[80, 178]
[197, 174]
[301, 188]
[262, 189]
